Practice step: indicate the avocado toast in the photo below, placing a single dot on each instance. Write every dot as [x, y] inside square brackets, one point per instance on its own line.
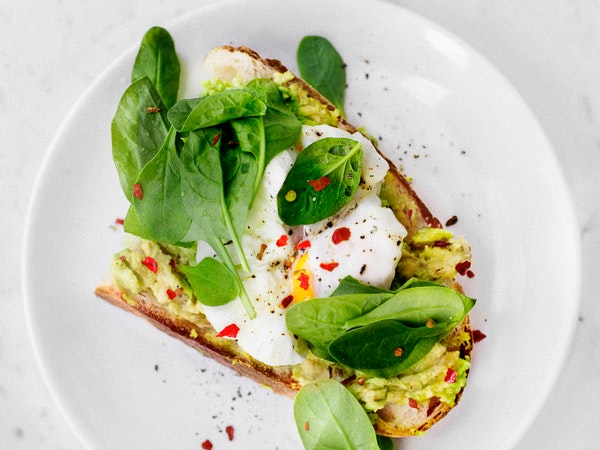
[151, 276]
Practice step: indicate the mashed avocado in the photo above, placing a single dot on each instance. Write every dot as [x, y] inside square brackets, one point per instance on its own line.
[148, 266]
[424, 380]
[433, 254]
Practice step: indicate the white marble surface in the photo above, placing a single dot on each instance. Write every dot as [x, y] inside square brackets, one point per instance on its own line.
[51, 51]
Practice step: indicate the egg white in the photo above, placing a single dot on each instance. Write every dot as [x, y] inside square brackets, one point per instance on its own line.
[370, 255]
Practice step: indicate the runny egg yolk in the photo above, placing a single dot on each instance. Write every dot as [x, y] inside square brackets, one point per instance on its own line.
[302, 279]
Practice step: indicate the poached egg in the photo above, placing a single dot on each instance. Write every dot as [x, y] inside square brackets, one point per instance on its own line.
[293, 264]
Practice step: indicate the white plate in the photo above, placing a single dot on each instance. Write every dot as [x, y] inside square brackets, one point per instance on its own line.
[458, 128]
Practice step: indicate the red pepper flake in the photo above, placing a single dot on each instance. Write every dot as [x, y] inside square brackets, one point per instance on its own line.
[441, 244]
[409, 214]
[329, 266]
[450, 376]
[462, 267]
[153, 109]
[340, 235]
[229, 430]
[470, 273]
[413, 403]
[320, 184]
[151, 264]
[216, 139]
[123, 258]
[286, 301]
[137, 191]
[399, 352]
[478, 336]
[207, 445]
[230, 330]
[172, 263]
[303, 245]
[171, 294]
[304, 281]
[282, 241]
[119, 221]
[361, 381]
[306, 426]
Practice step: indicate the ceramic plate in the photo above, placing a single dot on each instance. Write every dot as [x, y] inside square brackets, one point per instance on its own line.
[439, 110]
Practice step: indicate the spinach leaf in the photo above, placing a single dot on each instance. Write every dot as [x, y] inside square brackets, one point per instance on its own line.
[157, 60]
[321, 66]
[328, 416]
[323, 179]
[282, 126]
[137, 134]
[385, 443]
[350, 285]
[181, 110]
[212, 282]
[414, 306]
[321, 320]
[159, 207]
[250, 133]
[217, 109]
[385, 348]
[203, 196]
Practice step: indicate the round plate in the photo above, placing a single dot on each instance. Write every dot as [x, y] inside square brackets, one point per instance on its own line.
[440, 111]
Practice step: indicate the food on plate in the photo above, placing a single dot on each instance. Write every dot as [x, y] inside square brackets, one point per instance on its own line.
[272, 235]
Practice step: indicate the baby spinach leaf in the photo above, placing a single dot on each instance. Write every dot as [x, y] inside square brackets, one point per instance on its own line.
[322, 67]
[157, 60]
[323, 179]
[180, 111]
[350, 285]
[212, 282]
[217, 109]
[282, 126]
[328, 416]
[250, 133]
[203, 196]
[159, 209]
[385, 348]
[321, 320]
[415, 306]
[137, 134]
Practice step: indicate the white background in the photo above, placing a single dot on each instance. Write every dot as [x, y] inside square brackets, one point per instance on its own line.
[51, 51]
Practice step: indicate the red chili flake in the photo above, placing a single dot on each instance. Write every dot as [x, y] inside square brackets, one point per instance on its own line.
[399, 352]
[286, 301]
[306, 426]
[441, 244]
[450, 376]
[413, 403]
[470, 273]
[207, 445]
[119, 221]
[230, 330]
[216, 139]
[361, 381]
[172, 263]
[329, 266]
[409, 214]
[320, 184]
[340, 235]
[478, 336]
[151, 264]
[462, 267]
[123, 258]
[137, 191]
[153, 109]
[171, 294]
[304, 281]
[303, 245]
[229, 430]
[282, 241]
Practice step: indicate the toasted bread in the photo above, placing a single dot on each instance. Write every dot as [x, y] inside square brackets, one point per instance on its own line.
[394, 419]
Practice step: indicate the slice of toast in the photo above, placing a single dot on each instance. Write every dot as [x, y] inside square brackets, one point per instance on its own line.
[394, 419]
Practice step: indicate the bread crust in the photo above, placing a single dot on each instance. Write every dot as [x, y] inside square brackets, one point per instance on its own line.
[392, 420]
